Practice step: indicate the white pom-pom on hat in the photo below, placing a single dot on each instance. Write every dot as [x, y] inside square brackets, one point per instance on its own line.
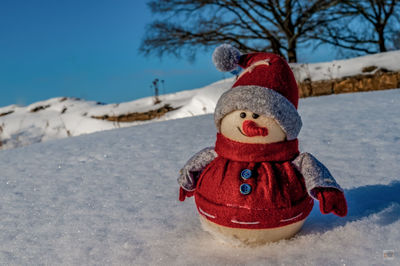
[226, 57]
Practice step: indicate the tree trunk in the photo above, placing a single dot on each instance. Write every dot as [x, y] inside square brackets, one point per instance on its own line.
[276, 47]
[291, 53]
[381, 40]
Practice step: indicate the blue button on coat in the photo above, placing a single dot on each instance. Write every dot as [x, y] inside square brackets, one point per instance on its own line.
[246, 174]
[245, 189]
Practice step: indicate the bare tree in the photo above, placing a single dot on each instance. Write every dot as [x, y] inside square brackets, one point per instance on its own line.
[250, 25]
[366, 26]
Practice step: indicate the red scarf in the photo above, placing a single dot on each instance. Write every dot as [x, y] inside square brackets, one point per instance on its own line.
[254, 152]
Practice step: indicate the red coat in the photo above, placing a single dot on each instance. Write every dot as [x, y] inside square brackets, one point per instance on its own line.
[269, 193]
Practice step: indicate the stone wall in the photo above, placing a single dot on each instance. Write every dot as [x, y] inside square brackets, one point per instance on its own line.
[381, 79]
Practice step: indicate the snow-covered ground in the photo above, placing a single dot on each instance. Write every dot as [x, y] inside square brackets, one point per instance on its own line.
[111, 198]
[347, 67]
[61, 117]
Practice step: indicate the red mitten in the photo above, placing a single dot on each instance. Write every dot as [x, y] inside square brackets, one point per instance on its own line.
[331, 200]
[183, 194]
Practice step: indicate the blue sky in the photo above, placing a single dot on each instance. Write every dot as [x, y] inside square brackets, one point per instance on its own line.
[89, 49]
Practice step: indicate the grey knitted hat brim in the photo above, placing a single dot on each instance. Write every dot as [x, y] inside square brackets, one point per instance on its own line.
[263, 101]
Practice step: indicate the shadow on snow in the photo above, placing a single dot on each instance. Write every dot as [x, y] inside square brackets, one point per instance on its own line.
[362, 202]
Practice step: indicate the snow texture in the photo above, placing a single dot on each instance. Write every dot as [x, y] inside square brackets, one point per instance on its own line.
[111, 198]
[62, 117]
[347, 67]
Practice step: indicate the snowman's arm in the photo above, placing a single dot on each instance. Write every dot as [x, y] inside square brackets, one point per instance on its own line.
[315, 174]
[190, 173]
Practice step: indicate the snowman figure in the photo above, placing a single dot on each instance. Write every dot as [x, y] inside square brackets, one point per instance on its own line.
[255, 186]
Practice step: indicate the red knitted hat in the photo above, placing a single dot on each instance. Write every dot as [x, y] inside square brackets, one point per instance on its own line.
[266, 86]
[275, 75]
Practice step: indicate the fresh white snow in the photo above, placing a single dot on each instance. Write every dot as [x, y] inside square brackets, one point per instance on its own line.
[111, 198]
[347, 67]
[63, 117]
[72, 117]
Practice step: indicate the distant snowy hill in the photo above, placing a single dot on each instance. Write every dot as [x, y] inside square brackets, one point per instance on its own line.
[349, 67]
[61, 117]
[111, 198]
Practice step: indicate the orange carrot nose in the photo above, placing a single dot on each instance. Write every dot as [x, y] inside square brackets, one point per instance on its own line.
[251, 129]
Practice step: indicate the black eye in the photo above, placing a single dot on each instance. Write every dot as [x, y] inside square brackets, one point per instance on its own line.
[255, 116]
[242, 114]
